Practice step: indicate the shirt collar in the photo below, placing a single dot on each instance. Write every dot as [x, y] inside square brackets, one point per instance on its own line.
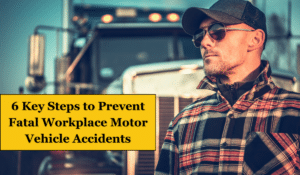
[262, 80]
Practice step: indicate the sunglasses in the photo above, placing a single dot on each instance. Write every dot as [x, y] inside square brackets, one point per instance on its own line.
[217, 31]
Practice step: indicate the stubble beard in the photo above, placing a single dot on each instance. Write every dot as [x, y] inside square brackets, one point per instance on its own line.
[216, 69]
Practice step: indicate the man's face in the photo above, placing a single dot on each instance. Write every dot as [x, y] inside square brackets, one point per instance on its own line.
[221, 58]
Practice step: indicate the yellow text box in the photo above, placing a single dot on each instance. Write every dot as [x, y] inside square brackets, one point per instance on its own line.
[77, 122]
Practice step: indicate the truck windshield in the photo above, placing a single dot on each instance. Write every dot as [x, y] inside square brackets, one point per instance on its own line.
[118, 53]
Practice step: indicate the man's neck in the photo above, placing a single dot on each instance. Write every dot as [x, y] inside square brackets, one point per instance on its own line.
[241, 76]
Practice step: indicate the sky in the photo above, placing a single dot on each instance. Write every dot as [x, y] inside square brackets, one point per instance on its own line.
[18, 18]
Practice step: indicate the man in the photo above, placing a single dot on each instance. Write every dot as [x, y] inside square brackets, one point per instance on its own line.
[249, 125]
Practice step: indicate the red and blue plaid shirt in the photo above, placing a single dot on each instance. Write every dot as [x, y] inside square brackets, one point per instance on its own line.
[259, 134]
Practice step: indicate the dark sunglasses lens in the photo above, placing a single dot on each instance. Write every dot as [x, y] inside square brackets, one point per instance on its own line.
[217, 31]
[198, 37]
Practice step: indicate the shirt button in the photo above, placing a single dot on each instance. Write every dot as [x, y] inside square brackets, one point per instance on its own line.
[223, 145]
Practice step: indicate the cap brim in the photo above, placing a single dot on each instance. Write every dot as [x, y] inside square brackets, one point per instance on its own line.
[193, 17]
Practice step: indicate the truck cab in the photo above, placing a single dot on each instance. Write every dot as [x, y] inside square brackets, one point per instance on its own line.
[130, 37]
[107, 41]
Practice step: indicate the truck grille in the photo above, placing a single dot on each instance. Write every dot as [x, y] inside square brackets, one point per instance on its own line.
[166, 108]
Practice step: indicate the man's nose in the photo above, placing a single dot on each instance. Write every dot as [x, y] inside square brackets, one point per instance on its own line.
[207, 41]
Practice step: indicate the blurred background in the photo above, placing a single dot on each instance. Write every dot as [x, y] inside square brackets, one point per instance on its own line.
[20, 17]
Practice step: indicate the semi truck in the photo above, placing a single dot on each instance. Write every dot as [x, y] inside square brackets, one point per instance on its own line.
[105, 42]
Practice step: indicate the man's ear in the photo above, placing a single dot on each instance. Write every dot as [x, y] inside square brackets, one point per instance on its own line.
[257, 40]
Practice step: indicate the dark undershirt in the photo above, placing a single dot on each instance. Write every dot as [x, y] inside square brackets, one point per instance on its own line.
[232, 92]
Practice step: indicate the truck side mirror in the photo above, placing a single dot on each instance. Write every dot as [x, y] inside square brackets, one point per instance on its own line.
[35, 81]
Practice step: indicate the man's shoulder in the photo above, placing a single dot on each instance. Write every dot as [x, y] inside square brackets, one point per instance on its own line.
[194, 108]
[282, 99]
[283, 94]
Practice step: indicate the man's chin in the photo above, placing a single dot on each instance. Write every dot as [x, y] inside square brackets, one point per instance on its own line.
[210, 61]
[211, 71]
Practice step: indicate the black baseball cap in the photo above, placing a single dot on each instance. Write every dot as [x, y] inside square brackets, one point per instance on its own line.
[227, 12]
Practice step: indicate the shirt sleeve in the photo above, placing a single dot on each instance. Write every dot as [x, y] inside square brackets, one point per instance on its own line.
[168, 159]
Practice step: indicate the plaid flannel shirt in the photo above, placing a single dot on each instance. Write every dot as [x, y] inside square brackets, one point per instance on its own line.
[259, 134]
